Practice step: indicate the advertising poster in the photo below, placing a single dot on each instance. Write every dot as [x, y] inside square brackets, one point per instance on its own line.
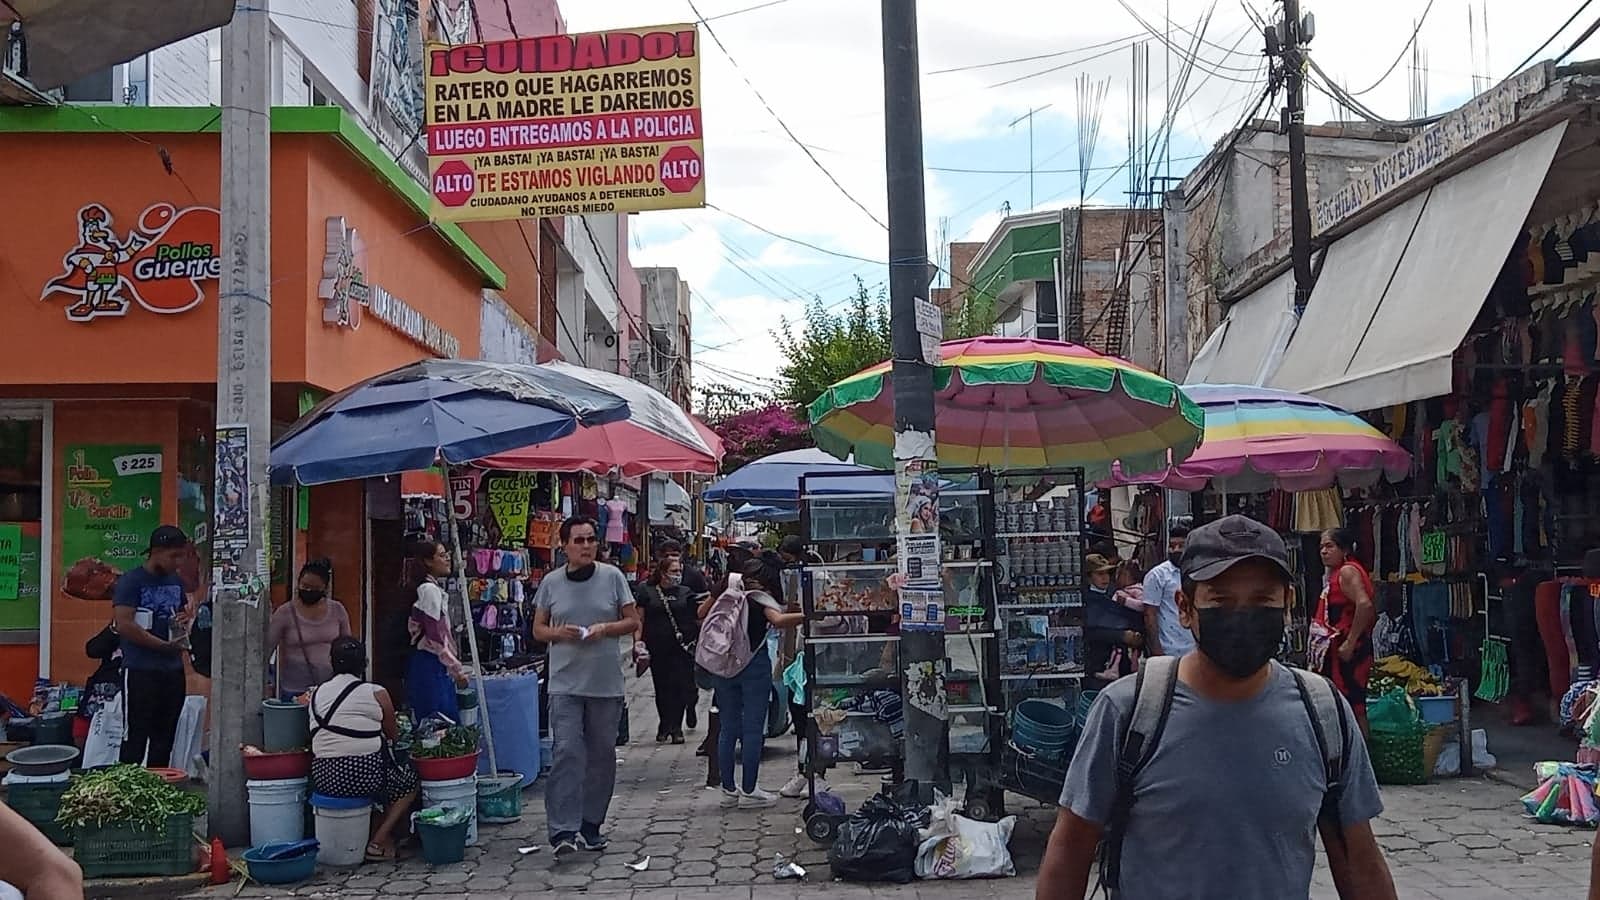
[510, 500]
[232, 488]
[565, 124]
[112, 503]
[921, 610]
[10, 561]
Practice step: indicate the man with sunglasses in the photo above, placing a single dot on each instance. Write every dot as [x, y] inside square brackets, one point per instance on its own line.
[581, 610]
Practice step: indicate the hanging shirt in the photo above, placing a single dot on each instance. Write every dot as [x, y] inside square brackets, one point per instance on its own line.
[616, 526]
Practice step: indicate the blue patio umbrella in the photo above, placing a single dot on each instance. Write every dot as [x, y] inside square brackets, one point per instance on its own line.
[775, 479]
[750, 512]
[450, 410]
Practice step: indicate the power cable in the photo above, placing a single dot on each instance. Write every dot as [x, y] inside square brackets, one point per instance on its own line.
[1401, 55]
[1588, 33]
[747, 9]
[1121, 41]
[1551, 39]
[774, 113]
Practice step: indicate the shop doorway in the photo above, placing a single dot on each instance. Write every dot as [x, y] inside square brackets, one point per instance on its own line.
[25, 499]
[389, 600]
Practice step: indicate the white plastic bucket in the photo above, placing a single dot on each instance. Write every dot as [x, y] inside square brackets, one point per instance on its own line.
[277, 811]
[461, 792]
[342, 835]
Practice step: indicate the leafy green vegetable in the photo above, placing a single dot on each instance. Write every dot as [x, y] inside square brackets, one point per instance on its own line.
[457, 740]
[125, 795]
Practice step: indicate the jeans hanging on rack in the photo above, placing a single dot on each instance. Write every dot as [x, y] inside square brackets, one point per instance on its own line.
[1430, 621]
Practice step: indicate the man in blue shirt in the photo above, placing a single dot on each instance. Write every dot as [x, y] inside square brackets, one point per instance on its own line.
[150, 615]
[1164, 634]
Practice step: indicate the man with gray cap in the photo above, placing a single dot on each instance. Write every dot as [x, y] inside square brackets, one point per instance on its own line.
[1211, 775]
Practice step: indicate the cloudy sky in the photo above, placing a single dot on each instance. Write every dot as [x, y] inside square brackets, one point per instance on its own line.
[818, 66]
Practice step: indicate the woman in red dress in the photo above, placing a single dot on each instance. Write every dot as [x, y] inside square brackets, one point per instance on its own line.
[1341, 631]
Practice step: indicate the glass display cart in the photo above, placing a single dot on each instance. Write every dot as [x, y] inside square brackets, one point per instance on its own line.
[855, 682]
[1039, 549]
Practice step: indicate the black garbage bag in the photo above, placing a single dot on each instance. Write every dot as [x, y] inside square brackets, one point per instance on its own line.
[878, 842]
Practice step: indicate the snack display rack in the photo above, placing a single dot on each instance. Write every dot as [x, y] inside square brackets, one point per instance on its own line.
[1012, 548]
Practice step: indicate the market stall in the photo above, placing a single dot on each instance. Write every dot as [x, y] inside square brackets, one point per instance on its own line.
[984, 540]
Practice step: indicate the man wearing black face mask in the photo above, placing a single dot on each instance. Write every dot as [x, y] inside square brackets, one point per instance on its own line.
[1227, 783]
[1164, 633]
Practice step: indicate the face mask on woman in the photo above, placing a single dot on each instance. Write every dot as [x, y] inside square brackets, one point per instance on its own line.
[310, 597]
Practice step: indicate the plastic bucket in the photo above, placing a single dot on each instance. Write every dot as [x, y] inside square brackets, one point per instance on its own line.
[461, 792]
[285, 726]
[53, 728]
[277, 811]
[1042, 727]
[444, 844]
[500, 798]
[343, 827]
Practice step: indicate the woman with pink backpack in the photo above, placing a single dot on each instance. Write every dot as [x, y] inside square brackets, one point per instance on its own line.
[733, 650]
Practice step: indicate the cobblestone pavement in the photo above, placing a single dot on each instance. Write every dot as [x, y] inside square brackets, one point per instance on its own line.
[1453, 840]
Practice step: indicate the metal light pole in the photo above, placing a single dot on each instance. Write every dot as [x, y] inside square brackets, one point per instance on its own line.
[926, 746]
[244, 326]
[1029, 116]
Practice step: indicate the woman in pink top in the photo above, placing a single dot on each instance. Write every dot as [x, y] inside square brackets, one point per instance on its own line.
[303, 630]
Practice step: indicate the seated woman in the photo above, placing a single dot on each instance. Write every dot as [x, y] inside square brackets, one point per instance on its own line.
[351, 721]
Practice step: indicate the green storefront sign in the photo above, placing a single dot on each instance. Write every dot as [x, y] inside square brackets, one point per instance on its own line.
[112, 503]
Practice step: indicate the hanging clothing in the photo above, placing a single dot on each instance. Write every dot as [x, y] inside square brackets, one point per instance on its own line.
[1317, 511]
[616, 526]
[1448, 440]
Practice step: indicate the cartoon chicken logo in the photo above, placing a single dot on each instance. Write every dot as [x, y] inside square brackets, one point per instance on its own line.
[161, 265]
[96, 268]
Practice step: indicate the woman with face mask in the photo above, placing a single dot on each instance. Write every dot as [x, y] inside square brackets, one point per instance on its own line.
[670, 631]
[303, 629]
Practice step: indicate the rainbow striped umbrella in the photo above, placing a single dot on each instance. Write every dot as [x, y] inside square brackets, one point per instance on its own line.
[1020, 403]
[1258, 438]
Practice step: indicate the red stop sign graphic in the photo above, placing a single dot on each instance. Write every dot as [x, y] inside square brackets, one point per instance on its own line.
[680, 170]
[453, 182]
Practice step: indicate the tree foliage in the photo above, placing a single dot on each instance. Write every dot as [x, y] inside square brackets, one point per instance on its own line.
[834, 345]
[754, 433]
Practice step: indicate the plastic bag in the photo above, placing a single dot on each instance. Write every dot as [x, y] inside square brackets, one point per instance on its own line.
[1565, 795]
[1449, 762]
[1394, 714]
[879, 841]
[954, 846]
[443, 816]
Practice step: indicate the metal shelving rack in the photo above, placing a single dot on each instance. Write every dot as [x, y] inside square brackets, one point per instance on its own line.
[840, 668]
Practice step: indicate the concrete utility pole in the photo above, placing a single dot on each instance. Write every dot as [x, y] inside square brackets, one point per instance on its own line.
[1294, 114]
[244, 332]
[926, 746]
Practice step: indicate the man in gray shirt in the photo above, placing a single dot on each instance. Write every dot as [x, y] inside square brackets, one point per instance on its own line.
[1227, 806]
[581, 609]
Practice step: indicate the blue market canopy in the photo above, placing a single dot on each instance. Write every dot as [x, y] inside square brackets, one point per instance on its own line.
[436, 410]
[775, 479]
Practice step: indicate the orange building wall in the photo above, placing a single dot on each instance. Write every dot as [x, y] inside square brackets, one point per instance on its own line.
[155, 422]
[67, 171]
[338, 532]
[514, 247]
[410, 263]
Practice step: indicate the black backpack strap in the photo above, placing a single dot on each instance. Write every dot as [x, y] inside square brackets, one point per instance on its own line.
[1153, 690]
[321, 721]
[1327, 721]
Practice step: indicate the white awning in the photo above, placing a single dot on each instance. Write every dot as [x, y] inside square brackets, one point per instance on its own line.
[1249, 343]
[1395, 299]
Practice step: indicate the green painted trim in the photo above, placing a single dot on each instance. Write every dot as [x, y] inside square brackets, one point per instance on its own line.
[1017, 257]
[329, 120]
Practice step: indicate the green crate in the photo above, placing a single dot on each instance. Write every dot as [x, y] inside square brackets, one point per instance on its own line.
[39, 803]
[121, 850]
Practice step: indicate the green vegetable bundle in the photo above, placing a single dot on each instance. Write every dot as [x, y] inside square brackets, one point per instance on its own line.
[125, 795]
[457, 740]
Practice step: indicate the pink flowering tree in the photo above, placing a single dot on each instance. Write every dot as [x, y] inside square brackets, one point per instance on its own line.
[754, 433]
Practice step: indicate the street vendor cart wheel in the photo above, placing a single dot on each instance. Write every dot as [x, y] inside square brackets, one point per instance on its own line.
[822, 827]
[985, 804]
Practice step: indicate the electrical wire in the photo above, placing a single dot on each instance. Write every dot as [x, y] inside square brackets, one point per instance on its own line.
[1400, 56]
[794, 240]
[1121, 42]
[747, 9]
[1552, 38]
[784, 125]
[1210, 67]
[1588, 33]
[1326, 85]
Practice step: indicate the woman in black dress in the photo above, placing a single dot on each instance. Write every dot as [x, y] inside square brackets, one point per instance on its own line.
[670, 630]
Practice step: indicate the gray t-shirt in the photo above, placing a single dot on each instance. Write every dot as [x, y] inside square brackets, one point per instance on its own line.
[1227, 807]
[585, 668]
